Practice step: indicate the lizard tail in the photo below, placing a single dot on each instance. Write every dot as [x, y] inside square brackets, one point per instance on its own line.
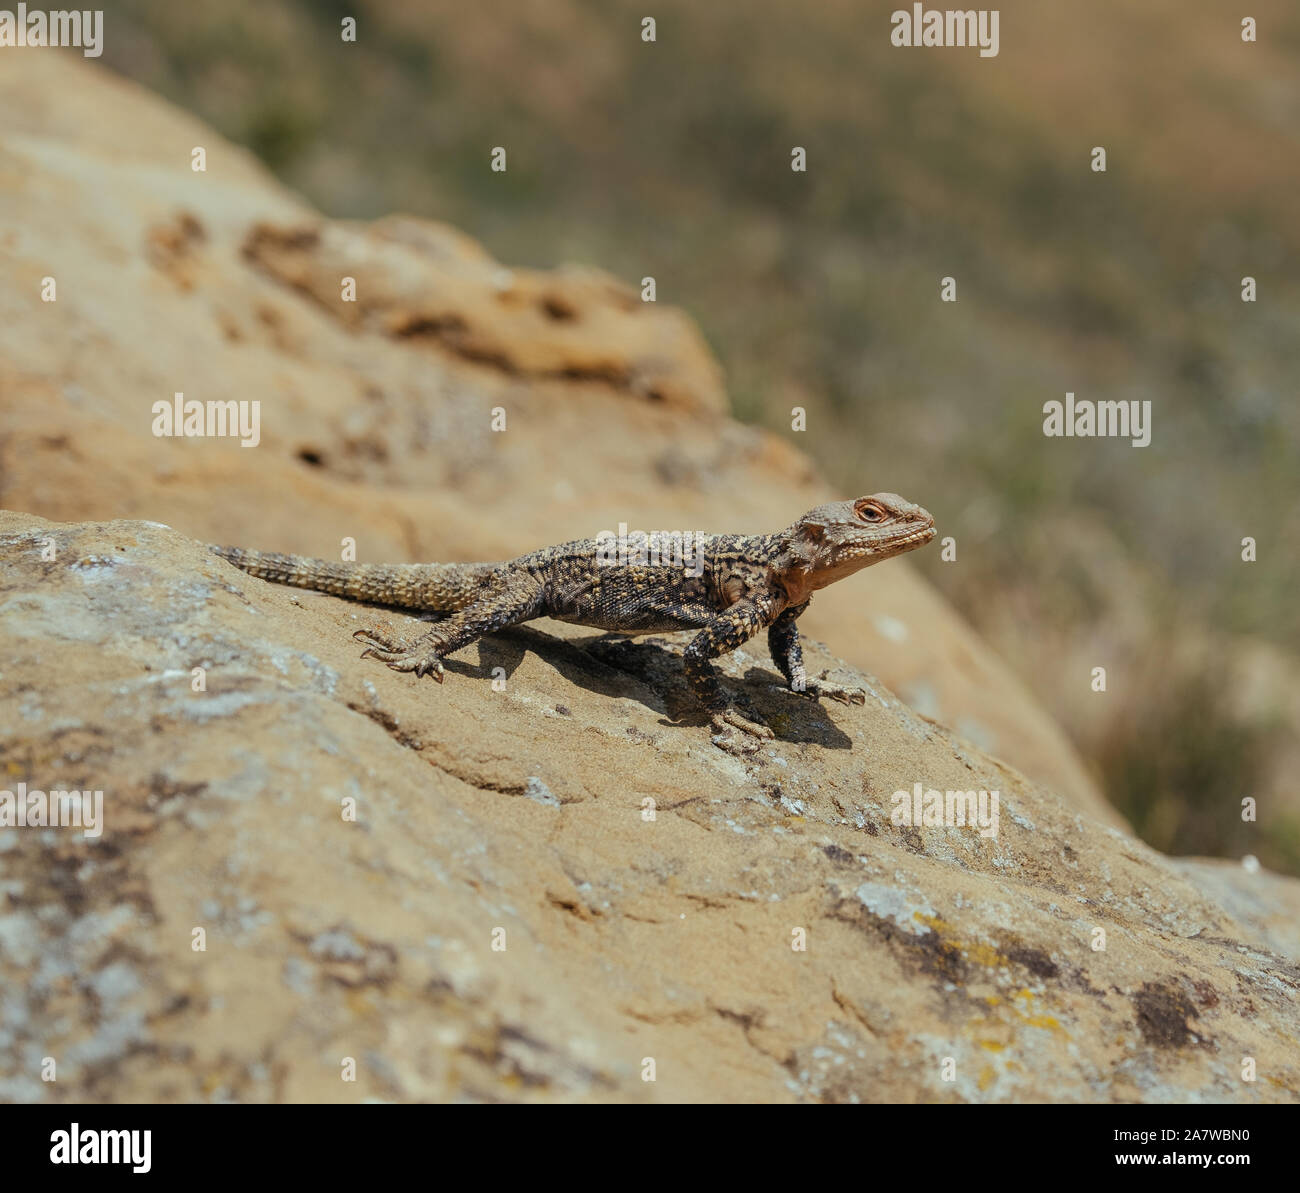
[437, 587]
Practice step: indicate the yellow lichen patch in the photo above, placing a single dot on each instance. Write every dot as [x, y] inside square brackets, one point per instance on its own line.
[987, 1077]
[1034, 1019]
[977, 952]
[984, 954]
[360, 1002]
[934, 922]
[1025, 1015]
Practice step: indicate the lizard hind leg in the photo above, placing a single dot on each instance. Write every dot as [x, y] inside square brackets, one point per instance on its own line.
[505, 599]
[423, 655]
[726, 631]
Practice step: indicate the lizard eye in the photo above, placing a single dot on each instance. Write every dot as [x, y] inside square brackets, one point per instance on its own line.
[871, 513]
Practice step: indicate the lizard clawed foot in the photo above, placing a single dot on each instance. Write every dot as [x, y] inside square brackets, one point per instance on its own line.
[815, 689]
[423, 657]
[725, 724]
[819, 687]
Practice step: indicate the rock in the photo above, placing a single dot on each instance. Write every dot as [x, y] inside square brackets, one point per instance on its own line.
[427, 283]
[520, 817]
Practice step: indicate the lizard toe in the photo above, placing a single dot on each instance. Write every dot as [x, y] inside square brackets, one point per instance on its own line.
[733, 718]
[430, 665]
[819, 687]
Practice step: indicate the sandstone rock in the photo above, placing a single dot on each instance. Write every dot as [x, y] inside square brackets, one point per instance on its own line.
[520, 815]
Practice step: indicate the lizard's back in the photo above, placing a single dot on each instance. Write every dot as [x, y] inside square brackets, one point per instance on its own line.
[670, 585]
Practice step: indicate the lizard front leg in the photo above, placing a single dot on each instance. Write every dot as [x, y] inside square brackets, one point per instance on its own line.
[787, 654]
[728, 630]
[506, 601]
[783, 642]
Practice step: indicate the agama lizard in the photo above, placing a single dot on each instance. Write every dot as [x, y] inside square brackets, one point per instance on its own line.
[740, 584]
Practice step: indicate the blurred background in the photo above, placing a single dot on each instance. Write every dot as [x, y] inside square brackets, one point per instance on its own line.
[821, 290]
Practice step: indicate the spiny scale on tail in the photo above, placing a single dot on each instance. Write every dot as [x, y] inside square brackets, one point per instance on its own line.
[436, 587]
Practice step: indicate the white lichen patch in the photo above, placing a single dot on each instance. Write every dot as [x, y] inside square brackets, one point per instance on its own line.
[896, 904]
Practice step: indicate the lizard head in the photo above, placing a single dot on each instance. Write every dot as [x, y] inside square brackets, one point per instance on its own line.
[836, 540]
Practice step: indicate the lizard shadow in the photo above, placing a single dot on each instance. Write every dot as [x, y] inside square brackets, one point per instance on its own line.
[791, 716]
[616, 666]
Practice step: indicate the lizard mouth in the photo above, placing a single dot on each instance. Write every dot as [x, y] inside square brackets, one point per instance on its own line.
[917, 538]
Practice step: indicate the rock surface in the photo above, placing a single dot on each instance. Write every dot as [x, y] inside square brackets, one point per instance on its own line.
[511, 813]
[517, 814]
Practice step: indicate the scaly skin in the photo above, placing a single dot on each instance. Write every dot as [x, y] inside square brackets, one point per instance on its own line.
[746, 583]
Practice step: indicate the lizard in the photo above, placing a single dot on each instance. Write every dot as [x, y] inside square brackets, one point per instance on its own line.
[738, 586]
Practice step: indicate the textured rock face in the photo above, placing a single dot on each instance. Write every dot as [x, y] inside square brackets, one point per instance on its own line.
[353, 843]
[463, 888]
